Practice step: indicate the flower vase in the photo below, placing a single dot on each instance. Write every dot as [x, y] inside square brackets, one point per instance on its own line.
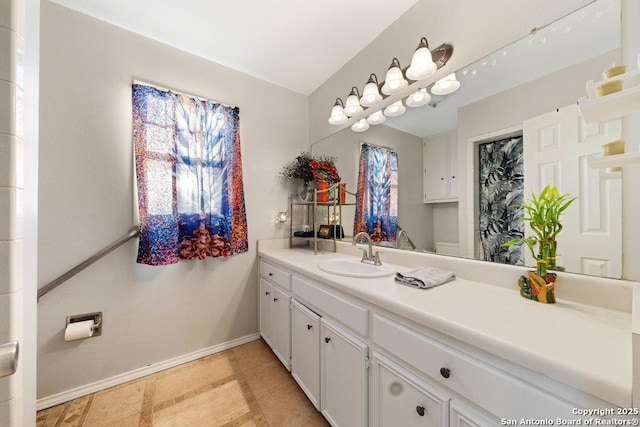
[538, 287]
[322, 191]
[305, 192]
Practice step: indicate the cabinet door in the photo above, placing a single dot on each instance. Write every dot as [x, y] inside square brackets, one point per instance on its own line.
[453, 165]
[436, 165]
[282, 326]
[266, 311]
[343, 382]
[464, 416]
[402, 399]
[305, 351]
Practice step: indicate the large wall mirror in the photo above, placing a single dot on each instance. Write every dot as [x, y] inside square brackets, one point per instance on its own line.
[529, 88]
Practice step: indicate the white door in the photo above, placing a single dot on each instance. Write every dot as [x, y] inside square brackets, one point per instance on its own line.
[266, 311]
[282, 326]
[305, 351]
[556, 147]
[343, 378]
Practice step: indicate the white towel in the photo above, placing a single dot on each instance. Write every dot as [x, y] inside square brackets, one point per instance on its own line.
[426, 277]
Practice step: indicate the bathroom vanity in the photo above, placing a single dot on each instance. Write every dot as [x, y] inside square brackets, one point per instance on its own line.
[370, 351]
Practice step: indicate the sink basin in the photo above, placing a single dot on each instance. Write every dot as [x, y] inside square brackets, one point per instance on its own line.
[355, 268]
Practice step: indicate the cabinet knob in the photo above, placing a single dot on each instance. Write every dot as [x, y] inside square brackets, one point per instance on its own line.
[267, 293]
[441, 179]
[327, 339]
[270, 274]
[309, 327]
[445, 372]
[454, 177]
[420, 410]
[276, 299]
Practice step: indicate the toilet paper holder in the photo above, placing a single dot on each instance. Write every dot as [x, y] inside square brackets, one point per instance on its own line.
[96, 317]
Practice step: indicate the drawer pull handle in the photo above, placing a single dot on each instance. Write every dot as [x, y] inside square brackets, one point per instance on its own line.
[275, 299]
[327, 339]
[445, 372]
[270, 274]
[309, 327]
[420, 410]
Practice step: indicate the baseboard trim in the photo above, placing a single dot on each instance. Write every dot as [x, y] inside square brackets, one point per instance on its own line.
[65, 396]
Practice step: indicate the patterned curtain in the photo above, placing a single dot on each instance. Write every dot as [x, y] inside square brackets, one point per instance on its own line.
[189, 176]
[501, 197]
[377, 193]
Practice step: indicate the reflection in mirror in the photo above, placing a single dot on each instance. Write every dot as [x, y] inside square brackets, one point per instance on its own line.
[525, 89]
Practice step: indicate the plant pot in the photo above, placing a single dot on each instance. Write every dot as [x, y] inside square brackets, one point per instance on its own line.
[538, 287]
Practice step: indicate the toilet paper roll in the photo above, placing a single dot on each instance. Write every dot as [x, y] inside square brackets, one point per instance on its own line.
[78, 330]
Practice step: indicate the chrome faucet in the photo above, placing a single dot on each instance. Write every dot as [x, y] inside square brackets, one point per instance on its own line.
[399, 237]
[370, 256]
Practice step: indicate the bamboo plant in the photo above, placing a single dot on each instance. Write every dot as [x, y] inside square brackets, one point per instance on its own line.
[543, 214]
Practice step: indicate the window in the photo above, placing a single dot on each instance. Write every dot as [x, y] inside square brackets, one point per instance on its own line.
[189, 177]
[377, 193]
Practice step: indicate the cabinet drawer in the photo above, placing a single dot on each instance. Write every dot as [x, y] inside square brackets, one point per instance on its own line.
[492, 389]
[276, 275]
[402, 399]
[346, 312]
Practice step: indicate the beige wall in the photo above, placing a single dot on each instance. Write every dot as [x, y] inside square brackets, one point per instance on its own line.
[151, 314]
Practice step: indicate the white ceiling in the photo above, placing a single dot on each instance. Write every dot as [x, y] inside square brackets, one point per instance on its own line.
[296, 44]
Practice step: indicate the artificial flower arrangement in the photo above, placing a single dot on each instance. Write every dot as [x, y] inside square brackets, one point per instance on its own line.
[309, 167]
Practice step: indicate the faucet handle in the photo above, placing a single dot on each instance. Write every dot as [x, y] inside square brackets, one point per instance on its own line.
[376, 258]
[365, 256]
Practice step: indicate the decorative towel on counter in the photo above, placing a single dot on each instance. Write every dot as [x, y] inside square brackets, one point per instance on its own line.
[303, 233]
[426, 277]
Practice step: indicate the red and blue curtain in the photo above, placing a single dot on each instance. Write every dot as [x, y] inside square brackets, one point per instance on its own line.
[377, 193]
[189, 177]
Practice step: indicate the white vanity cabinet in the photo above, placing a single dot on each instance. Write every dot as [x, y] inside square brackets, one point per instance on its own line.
[275, 310]
[400, 398]
[440, 161]
[305, 351]
[418, 376]
[338, 357]
[492, 389]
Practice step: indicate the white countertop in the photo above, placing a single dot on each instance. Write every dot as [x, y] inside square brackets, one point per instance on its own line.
[585, 347]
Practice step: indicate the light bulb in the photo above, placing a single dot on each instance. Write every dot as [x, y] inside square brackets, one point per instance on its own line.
[360, 126]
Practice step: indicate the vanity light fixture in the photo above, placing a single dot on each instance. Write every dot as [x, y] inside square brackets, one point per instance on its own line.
[395, 81]
[376, 118]
[418, 98]
[360, 126]
[446, 85]
[395, 109]
[422, 65]
[352, 105]
[337, 114]
[370, 93]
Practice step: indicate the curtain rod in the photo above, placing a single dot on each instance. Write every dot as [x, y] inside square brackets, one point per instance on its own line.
[140, 82]
[379, 146]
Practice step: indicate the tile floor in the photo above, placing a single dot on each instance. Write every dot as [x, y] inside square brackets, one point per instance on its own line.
[244, 386]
